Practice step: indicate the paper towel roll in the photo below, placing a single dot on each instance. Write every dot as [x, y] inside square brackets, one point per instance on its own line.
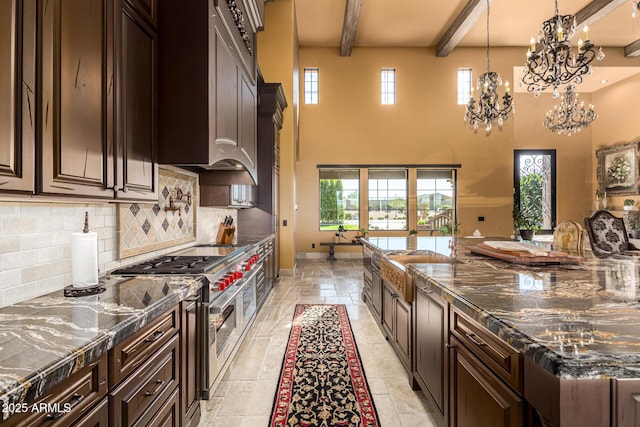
[84, 259]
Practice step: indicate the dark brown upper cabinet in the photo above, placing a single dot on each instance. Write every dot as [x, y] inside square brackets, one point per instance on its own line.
[17, 92]
[207, 86]
[97, 101]
[136, 108]
[77, 98]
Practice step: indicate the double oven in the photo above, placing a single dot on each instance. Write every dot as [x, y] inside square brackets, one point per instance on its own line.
[229, 299]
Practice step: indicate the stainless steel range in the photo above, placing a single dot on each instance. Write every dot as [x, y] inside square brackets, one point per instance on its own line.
[229, 300]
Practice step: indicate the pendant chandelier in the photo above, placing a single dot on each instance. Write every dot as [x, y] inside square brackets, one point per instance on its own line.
[488, 109]
[552, 62]
[571, 116]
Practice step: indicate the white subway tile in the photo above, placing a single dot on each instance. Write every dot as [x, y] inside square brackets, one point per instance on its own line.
[34, 241]
[13, 225]
[10, 278]
[9, 244]
[20, 293]
[22, 259]
[50, 284]
[9, 210]
[50, 254]
[49, 223]
[35, 211]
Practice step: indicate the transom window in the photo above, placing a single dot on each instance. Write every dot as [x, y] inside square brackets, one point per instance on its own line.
[310, 85]
[464, 85]
[387, 199]
[339, 199]
[388, 86]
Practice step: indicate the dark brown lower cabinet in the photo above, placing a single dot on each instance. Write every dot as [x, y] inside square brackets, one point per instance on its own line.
[97, 417]
[141, 396]
[478, 398]
[396, 323]
[169, 414]
[626, 411]
[190, 332]
[431, 332]
[376, 291]
[69, 400]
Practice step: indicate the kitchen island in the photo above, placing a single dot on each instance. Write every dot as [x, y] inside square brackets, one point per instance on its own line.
[574, 331]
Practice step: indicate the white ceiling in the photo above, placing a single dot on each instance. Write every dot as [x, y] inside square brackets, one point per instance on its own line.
[422, 23]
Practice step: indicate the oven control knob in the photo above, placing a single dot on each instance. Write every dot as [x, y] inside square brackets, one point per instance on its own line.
[220, 284]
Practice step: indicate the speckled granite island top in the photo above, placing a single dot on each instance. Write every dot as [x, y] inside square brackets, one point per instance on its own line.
[576, 321]
[45, 339]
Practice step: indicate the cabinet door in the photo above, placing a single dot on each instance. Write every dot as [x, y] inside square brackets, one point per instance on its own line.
[226, 120]
[190, 333]
[137, 170]
[478, 398]
[627, 402]
[248, 123]
[431, 333]
[376, 292]
[76, 114]
[17, 86]
[97, 417]
[402, 321]
[388, 312]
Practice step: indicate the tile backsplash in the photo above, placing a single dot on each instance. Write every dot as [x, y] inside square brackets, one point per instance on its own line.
[145, 227]
[35, 237]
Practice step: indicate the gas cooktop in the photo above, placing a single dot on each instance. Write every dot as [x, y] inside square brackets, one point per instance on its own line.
[173, 264]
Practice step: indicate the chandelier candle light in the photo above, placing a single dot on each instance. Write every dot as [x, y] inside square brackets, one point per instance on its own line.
[488, 108]
[552, 62]
[572, 116]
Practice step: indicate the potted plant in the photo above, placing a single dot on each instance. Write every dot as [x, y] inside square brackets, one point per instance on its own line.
[628, 204]
[340, 234]
[527, 223]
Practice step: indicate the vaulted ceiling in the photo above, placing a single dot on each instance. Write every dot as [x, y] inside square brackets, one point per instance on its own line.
[447, 24]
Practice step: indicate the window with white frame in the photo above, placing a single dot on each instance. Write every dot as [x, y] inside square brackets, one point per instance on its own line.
[435, 194]
[310, 85]
[388, 194]
[464, 85]
[339, 199]
[388, 86]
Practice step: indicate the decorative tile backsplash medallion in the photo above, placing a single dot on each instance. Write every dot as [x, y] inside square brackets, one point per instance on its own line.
[146, 227]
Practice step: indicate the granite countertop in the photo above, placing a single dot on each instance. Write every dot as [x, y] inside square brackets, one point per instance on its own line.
[576, 321]
[45, 339]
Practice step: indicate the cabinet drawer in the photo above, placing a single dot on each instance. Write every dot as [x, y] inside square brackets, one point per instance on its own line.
[499, 356]
[137, 400]
[97, 417]
[169, 413]
[133, 351]
[67, 401]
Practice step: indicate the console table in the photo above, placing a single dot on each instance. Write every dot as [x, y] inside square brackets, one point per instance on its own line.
[332, 247]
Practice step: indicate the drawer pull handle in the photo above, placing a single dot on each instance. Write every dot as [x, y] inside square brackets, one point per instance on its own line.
[155, 336]
[474, 339]
[154, 392]
[75, 399]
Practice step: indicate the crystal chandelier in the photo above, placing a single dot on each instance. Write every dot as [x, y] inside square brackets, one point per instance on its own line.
[552, 62]
[487, 110]
[571, 116]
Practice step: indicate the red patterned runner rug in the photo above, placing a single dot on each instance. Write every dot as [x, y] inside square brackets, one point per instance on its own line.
[322, 381]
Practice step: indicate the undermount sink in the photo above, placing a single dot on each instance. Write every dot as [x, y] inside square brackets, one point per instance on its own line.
[394, 272]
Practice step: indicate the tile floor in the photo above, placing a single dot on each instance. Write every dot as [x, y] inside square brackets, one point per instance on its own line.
[245, 395]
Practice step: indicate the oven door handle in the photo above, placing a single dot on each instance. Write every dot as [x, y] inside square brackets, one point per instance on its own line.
[221, 303]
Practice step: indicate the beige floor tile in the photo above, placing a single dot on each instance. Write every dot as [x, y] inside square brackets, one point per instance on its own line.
[245, 396]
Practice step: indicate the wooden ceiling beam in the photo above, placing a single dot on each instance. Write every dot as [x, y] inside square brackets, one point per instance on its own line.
[596, 10]
[472, 11]
[632, 49]
[350, 26]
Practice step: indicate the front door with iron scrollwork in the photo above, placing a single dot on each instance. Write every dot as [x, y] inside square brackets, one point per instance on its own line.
[534, 186]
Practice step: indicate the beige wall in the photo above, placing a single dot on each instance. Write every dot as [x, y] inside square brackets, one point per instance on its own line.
[278, 61]
[613, 126]
[349, 126]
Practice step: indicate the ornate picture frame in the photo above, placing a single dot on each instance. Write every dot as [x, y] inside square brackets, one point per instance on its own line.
[618, 170]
